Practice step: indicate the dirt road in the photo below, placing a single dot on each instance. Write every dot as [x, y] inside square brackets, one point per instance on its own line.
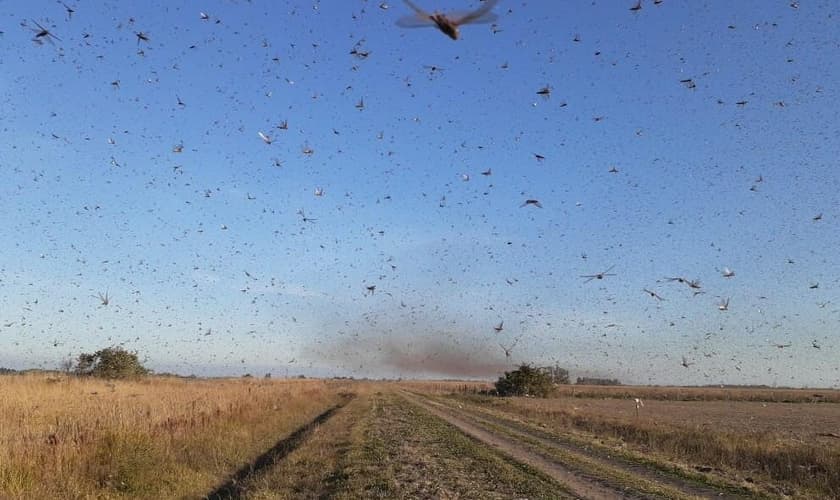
[587, 472]
[400, 444]
[580, 486]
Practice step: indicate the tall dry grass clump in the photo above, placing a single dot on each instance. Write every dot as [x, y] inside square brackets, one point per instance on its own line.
[67, 437]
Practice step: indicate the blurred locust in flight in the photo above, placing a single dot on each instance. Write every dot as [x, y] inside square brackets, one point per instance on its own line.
[448, 23]
[41, 33]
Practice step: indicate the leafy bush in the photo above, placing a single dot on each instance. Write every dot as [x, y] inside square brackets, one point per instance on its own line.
[111, 362]
[525, 381]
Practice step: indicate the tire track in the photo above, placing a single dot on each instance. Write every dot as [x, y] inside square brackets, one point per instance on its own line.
[233, 487]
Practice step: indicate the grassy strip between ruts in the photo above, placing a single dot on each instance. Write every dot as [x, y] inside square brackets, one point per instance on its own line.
[399, 450]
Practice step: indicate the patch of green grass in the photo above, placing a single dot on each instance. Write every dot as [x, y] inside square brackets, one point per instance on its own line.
[407, 452]
[499, 472]
[366, 470]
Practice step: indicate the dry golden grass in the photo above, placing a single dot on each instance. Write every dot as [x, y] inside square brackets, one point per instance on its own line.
[66, 437]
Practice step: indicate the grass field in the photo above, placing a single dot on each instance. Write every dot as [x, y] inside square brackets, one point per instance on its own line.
[66, 437]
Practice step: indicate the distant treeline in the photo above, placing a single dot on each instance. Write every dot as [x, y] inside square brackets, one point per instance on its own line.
[597, 381]
[6, 371]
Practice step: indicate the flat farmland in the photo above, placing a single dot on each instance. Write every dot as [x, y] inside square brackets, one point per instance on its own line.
[67, 437]
[791, 449]
[789, 422]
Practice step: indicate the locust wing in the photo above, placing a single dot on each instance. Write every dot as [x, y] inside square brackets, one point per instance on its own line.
[480, 15]
[420, 19]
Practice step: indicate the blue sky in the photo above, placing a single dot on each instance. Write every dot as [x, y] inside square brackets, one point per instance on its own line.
[136, 168]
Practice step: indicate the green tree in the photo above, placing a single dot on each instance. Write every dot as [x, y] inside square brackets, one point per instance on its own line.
[525, 381]
[111, 362]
